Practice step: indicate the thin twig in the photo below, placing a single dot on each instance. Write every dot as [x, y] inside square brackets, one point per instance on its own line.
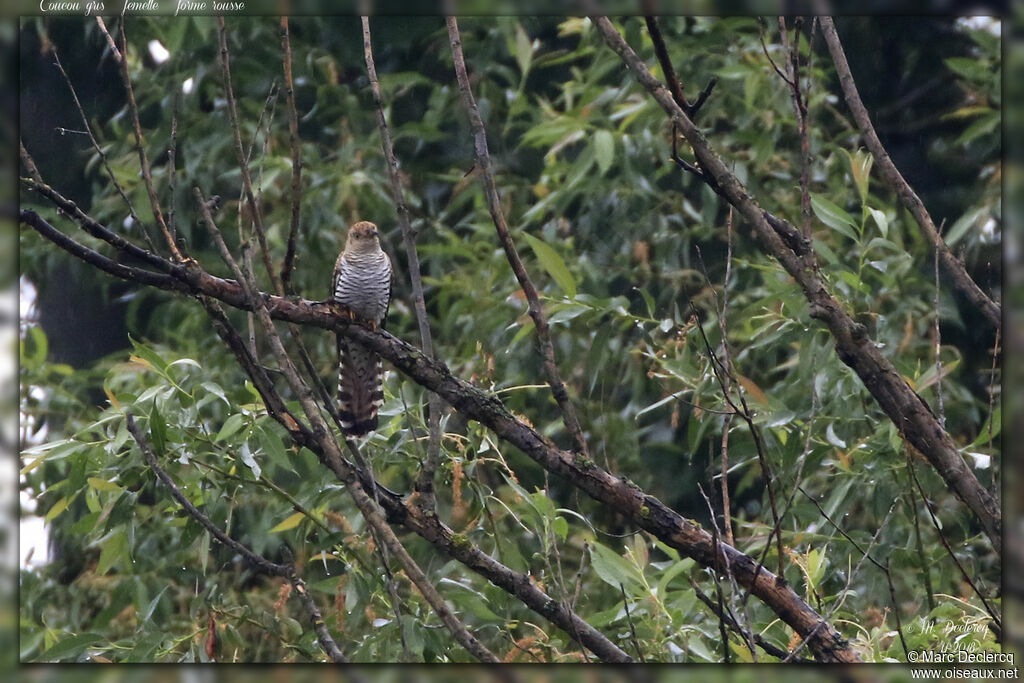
[327, 642]
[800, 111]
[994, 484]
[896, 610]
[853, 344]
[99, 150]
[865, 555]
[761, 26]
[945, 544]
[661, 52]
[632, 629]
[147, 174]
[926, 566]
[730, 621]
[938, 349]
[256, 211]
[483, 163]
[424, 484]
[293, 140]
[674, 86]
[726, 654]
[172, 152]
[723, 311]
[991, 311]
[110, 40]
[724, 373]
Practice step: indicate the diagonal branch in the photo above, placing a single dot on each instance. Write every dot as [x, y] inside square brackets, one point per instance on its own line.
[855, 348]
[643, 510]
[483, 162]
[414, 517]
[322, 434]
[991, 311]
[261, 563]
[674, 86]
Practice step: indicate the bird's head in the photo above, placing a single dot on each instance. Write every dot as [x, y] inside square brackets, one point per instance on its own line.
[362, 237]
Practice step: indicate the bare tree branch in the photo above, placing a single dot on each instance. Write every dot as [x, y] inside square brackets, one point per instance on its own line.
[293, 140]
[642, 509]
[258, 561]
[99, 150]
[255, 209]
[369, 509]
[147, 174]
[991, 311]
[415, 518]
[425, 480]
[483, 163]
[949, 551]
[855, 348]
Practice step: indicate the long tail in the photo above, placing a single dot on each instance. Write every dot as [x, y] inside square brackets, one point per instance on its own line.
[360, 387]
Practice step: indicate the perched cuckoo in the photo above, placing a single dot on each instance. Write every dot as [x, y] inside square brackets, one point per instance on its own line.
[362, 283]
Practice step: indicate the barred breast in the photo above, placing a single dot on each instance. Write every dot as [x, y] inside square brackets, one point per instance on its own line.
[362, 283]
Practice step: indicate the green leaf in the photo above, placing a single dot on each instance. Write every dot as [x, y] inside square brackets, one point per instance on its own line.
[151, 607]
[471, 600]
[58, 507]
[880, 220]
[250, 460]
[816, 563]
[148, 356]
[561, 527]
[996, 420]
[854, 281]
[614, 569]
[34, 348]
[158, 430]
[52, 450]
[604, 150]
[648, 301]
[114, 550]
[216, 390]
[969, 220]
[860, 169]
[103, 484]
[524, 329]
[70, 647]
[984, 125]
[833, 216]
[289, 522]
[553, 264]
[204, 550]
[830, 436]
[231, 425]
[673, 571]
[524, 50]
[970, 69]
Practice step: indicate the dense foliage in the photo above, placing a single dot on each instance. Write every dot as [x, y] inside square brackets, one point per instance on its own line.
[637, 261]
